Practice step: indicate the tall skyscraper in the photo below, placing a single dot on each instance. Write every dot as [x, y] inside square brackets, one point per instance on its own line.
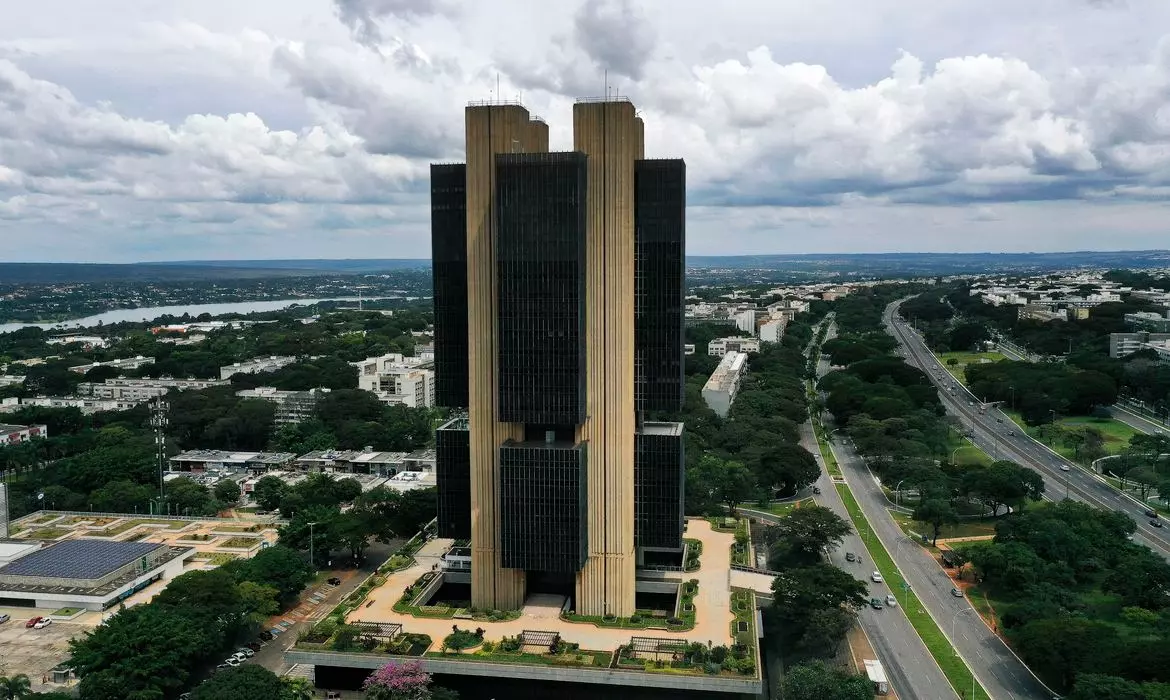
[558, 325]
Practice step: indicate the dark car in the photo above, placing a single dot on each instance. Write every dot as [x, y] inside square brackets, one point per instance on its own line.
[850, 556]
[1156, 523]
[875, 603]
[1151, 513]
[266, 636]
[334, 581]
[32, 623]
[254, 646]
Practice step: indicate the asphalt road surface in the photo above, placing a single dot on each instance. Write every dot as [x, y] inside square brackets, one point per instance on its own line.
[999, 670]
[996, 434]
[911, 669]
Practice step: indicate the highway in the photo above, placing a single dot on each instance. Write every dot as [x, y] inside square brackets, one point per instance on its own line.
[998, 669]
[997, 435]
[912, 671]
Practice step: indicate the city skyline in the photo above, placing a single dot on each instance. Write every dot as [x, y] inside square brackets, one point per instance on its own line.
[308, 126]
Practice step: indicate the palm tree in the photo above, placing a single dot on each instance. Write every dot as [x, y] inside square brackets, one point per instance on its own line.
[15, 688]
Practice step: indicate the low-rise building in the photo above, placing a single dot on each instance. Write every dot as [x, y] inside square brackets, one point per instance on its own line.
[200, 461]
[1122, 344]
[11, 379]
[353, 462]
[142, 389]
[397, 379]
[1041, 313]
[87, 573]
[291, 406]
[1149, 321]
[720, 390]
[259, 364]
[721, 346]
[90, 342]
[13, 434]
[122, 365]
[86, 405]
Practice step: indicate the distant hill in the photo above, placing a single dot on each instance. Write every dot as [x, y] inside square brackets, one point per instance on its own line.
[882, 264]
[59, 273]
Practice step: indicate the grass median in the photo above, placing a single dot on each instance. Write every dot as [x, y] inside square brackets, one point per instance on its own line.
[940, 648]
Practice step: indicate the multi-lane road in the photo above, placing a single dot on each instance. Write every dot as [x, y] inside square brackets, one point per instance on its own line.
[997, 435]
[912, 671]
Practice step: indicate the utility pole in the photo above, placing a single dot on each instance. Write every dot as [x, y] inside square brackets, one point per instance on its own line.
[159, 420]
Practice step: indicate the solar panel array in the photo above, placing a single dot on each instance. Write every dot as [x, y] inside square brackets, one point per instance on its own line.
[79, 559]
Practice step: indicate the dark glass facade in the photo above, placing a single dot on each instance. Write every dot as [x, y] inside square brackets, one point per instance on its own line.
[453, 478]
[540, 255]
[659, 479]
[542, 504]
[449, 270]
[659, 272]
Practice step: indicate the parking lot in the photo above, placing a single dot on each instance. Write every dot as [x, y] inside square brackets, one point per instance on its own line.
[34, 652]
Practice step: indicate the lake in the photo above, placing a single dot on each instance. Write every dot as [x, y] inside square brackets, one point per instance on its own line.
[152, 312]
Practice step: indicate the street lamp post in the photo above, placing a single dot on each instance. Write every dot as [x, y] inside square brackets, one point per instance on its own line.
[312, 561]
[897, 493]
[954, 619]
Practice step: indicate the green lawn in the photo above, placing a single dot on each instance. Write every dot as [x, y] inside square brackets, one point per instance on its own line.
[966, 528]
[968, 454]
[964, 359]
[1116, 433]
[944, 654]
[785, 508]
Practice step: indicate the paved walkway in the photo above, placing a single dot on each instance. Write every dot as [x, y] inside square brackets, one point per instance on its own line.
[712, 622]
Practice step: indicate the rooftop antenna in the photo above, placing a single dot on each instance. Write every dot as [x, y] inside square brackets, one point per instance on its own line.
[497, 85]
[606, 78]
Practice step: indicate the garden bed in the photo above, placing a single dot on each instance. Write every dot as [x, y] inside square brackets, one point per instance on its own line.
[694, 555]
[240, 543]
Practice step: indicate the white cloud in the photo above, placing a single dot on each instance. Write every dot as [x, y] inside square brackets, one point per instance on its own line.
[307, 127]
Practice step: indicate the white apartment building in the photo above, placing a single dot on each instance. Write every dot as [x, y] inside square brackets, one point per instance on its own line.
[87, 406]
[291, 406]
[746, 321]
[89, 341]
[128, 363]
[397, 379]
[142, 389]
[11, 379]
[721, 346]
[260, 364]
[773, 331]
[720, 390]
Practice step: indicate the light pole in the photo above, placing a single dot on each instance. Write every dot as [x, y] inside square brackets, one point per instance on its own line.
[954, 619]
[312, 561]
[897, 492]
[955, 452]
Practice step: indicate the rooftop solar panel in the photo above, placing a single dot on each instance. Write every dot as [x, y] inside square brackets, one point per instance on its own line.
[79, 559]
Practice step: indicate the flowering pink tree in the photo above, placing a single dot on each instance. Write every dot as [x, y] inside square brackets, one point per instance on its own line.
[396, 681]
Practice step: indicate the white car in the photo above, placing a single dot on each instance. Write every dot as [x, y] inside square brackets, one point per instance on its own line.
[232, 661]
[1064, 467]
[891, 601]
[876, 577]
[42, 623]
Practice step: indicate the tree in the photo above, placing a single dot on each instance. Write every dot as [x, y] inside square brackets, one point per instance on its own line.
[15, 687]
[786, 466]
[817, 680]
[394, 681]
[1060, 647]
[1141, 578]
[936, 512]
[269, 491]
[731, 483]
[295, 688]
[227, 492]
[246, 682]
[804, 532]
[797, 593]
[279, 567]
[1094, 686]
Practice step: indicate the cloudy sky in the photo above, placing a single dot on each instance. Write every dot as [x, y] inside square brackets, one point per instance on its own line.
[214, 129]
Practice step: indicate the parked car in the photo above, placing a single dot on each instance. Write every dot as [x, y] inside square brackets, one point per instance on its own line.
[232, 661]
[246, 652]
[43, 623]
[876, 577]
[33, 621]
[4, 618]
[958, 593]
[334, 581]
[254, 646]
[266, 636]
[875, 603]
[891, 601]
[850, 556]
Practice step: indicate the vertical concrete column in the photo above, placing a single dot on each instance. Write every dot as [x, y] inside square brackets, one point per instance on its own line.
[490, 129]
[611, 134]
